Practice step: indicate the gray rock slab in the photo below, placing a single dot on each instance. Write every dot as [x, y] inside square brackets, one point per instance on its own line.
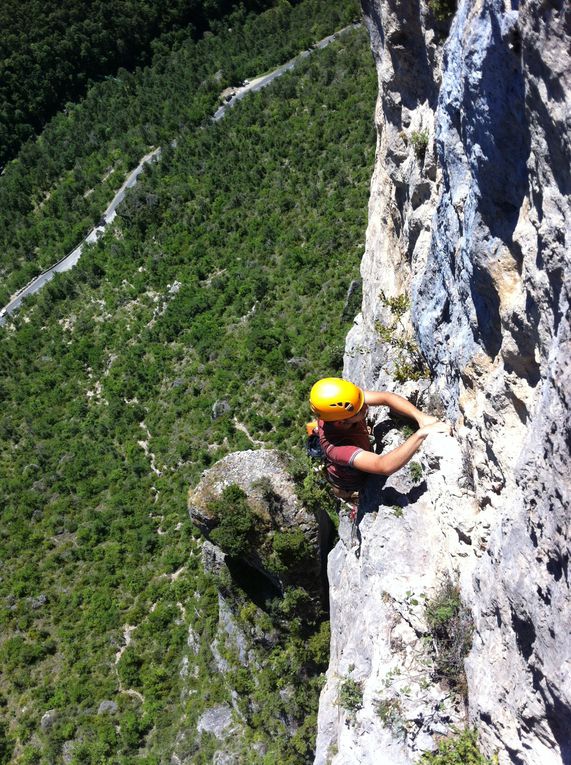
[216, 720]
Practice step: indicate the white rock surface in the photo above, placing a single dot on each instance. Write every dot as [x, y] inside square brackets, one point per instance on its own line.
[476, 231]
[216, 720]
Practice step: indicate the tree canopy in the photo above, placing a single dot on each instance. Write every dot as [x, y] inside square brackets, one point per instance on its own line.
[224, 277]
[51, 51]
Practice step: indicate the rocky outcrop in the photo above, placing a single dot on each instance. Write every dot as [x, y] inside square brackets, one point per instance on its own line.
[268, 564]
[288, 543]
[419, 526]
[465, 267]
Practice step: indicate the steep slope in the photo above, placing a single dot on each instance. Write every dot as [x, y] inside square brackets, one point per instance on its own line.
[50, 53]
[470, 215]
[184, 334]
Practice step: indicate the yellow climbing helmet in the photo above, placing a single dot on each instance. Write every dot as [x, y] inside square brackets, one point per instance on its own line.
[334, 399]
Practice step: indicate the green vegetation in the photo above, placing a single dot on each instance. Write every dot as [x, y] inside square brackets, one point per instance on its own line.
[49, 53]
[351, 695]
[236, 532]
[415, 469]
[407, 362]
[230, 259]
[411, 598]
[390, 712]
[290, 549]
[398, 305]
[419, 140]
[450, 624]
[241, 531]
[459, 749]
[313, 488]
[59, 185]
[443, 10]
[287, 657]
[318, 645]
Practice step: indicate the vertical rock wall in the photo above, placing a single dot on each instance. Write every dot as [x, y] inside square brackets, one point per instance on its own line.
[469, 216]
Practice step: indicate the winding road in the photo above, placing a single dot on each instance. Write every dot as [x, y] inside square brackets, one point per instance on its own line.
[70, 260]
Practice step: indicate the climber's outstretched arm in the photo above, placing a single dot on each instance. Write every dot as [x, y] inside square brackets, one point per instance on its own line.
[387, 464]
[399, 405]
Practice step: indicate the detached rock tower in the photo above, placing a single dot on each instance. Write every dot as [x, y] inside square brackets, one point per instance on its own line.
[466, 270]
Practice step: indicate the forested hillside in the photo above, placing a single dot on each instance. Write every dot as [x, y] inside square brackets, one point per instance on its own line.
[57, 188]
[51, 51]
[224, 279]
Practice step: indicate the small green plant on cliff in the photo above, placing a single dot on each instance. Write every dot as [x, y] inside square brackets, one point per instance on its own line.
[419, 140]
[415, 471]
[459, 749]
[237, 522]
[408, 362]
[399, 305]
[390, 712]
[451, 629]
[351, 695]
[442, 9]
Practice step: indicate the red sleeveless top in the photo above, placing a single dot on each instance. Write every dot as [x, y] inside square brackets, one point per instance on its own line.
[340, 447]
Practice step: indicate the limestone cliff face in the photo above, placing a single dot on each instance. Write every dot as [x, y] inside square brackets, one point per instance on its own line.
[470, 217]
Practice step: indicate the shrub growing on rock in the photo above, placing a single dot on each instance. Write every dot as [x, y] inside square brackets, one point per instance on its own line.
[451, 628]
[443, 10]
[459, 749]
[237, 522]
[419, 140]
[290, 548]
[351, 695]
[415, 471]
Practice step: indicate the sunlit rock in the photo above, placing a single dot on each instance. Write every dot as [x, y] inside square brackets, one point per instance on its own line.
[467, 255]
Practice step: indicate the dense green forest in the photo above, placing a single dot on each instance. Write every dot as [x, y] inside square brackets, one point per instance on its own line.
[59, 185]
[50, 51]
[225, 276]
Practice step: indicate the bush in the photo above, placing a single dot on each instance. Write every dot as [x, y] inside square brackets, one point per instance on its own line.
[390, 712]
[290, 548]
[351, 695]
[415, 471]
[442, 9]
[129, 668]
[451, 628]
[133, 729]
[408, 363]
[318, 646]
[5, 746]
[17, 652]
[30, 756]
[419, 140]
[236, 531]
[460, 749]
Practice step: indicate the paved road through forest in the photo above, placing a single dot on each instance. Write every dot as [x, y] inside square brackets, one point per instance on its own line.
[70, 260]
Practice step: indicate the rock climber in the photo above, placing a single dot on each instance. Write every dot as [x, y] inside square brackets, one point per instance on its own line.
[342, 408]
